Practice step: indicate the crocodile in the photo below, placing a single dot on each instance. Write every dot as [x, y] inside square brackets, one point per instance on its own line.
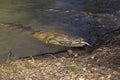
[40, 43]
[49, 37]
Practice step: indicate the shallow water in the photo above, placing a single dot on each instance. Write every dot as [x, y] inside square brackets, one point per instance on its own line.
[52, 14]
[38, 13]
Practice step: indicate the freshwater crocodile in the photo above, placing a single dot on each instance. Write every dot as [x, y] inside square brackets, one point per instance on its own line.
[48, 37]
[37, 43]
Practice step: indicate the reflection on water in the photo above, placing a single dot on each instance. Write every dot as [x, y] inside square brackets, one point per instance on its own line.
[48, 13]
[25, 12]
[39, 12]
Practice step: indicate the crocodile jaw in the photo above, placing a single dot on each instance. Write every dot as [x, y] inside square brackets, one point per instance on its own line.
[69, 42]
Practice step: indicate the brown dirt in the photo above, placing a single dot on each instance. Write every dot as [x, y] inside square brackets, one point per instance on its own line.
[102, 64]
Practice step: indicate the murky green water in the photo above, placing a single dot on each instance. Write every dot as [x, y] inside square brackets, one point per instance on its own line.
[28, 12]
[70, 16]
[45, 14]
[39, 13]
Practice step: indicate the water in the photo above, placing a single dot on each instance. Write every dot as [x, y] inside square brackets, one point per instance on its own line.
[51, 14]
[37, 13]
[76, 18]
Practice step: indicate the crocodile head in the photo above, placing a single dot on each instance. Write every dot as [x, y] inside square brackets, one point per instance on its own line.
[59, 38]
[69, 42]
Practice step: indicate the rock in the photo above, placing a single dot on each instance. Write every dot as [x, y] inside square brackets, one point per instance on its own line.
[15, 44]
